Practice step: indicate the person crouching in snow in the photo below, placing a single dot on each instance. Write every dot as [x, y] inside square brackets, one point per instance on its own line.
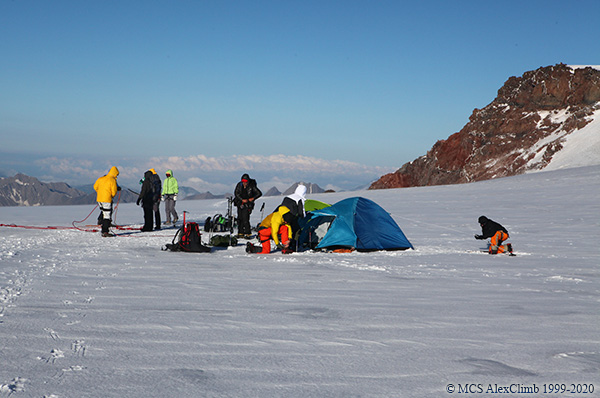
[275, 226]
[295, 202]
[497, 233]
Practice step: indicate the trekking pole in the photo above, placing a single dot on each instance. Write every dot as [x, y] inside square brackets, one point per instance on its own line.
[184, 213]
[262, 211]
[230, 217]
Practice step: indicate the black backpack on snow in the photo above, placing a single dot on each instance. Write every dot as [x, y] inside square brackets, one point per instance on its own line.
[188, 239]
[219, 223]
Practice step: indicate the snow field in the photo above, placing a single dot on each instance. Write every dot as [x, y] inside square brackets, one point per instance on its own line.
[83, 316]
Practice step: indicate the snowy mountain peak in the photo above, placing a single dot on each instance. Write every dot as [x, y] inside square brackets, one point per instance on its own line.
[548, 118]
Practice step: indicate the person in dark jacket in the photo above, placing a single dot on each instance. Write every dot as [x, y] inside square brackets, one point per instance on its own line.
[245, 194]
[146, 197]
[156, 185]
[295, 203]
[497, 233]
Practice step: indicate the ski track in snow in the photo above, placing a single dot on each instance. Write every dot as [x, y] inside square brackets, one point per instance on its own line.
[120, 313]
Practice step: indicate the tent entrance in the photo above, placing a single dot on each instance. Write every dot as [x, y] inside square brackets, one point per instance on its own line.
[317, 229]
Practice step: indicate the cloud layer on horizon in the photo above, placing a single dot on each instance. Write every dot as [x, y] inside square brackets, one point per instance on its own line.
[206, 173]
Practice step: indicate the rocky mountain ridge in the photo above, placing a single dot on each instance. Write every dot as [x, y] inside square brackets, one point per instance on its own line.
[519, 131]
[24, 190]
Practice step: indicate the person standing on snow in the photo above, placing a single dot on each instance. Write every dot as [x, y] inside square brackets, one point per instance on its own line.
[274, 226]
[497, 233]
[106, 188]
[155, 179]
[170, 190]
[146, 197]
[245, 194]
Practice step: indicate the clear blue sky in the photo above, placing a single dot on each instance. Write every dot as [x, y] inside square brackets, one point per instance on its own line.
[87, 84]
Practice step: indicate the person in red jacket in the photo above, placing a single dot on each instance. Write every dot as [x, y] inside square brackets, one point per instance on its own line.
[497, 233]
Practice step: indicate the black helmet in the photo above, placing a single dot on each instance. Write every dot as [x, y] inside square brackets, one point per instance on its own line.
[482, 220]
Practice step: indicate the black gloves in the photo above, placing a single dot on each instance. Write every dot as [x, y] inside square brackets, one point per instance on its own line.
[118, 188]
[138, 202]
[479, 237]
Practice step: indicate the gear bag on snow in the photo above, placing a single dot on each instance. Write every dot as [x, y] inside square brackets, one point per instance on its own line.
[188, 239]
[223, 240]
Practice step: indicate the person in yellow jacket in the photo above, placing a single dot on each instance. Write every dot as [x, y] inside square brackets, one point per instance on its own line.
[274, 226]
[106, 188]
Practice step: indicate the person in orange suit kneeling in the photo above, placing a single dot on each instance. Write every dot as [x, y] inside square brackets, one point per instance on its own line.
[276, 226]
[497, 234]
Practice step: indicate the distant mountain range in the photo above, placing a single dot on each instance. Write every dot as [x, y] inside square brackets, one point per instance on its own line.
[310, 188]
[24, 190]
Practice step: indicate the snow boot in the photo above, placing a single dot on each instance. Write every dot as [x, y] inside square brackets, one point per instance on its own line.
[250, 248]
[510, 249]
[105, 226]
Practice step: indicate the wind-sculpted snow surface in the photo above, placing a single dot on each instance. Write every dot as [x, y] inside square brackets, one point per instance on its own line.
[85, 316]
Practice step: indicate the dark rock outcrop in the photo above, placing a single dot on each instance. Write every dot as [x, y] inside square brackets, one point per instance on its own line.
[519, 131]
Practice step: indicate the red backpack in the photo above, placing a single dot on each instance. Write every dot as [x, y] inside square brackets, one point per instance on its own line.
[188, 239]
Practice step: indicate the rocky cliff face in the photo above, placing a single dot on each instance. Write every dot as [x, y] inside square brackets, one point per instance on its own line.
[520, 130]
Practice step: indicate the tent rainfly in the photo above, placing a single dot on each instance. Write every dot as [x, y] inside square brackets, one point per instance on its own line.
[354, 223]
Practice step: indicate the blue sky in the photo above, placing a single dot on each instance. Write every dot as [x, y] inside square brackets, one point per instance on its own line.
[333, 92]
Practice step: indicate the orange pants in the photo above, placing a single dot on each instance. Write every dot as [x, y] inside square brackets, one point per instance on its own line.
[496, 245]
[265, 238]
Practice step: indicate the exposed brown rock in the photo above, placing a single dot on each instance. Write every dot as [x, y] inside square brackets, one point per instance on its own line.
[503, 139]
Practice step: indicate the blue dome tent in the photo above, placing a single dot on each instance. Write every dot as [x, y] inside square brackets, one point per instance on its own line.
[353, 223]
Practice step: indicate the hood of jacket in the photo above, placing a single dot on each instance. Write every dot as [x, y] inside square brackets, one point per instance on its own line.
[299, 193]
[113, 172]
[169, 172]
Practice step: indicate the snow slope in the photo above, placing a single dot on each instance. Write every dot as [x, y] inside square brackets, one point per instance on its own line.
[581, 148]
[83, 316]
